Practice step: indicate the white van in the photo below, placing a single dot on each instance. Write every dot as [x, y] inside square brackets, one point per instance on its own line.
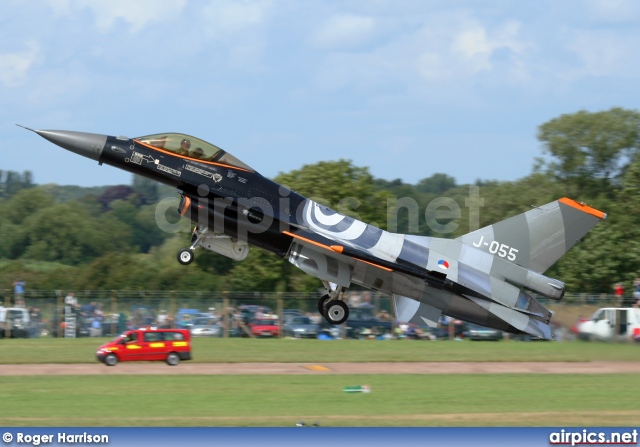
[16, 319]
[612, 323]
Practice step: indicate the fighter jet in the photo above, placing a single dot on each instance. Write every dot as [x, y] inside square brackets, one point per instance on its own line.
[486, 277]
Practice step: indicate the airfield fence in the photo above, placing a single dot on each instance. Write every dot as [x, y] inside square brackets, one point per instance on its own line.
[135, 308]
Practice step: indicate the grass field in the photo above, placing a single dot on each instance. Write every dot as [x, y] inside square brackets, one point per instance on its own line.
[395, 400]
[283, 400]
[208, 350]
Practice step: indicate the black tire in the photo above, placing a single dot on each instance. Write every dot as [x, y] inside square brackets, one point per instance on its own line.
[111, 360]
[337, 312]
[185, 256]
[173, 359]
[321, 303]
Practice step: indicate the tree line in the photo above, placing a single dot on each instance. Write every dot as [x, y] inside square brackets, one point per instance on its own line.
[68, 237]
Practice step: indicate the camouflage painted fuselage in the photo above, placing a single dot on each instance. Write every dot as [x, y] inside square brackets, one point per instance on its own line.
[483, 277]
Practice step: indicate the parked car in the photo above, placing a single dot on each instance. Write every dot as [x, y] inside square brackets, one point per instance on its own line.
[169, 345]
[525, 337]
[360, 319]
[300, 326]
[186, 317]
[205, 327]
[477, 332]
[288, 314]
[268, 327]
[249, 311]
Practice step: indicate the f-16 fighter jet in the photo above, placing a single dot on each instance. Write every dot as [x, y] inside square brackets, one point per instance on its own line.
[484, 277]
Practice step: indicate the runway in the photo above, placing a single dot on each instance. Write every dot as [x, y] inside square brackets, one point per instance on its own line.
[326, 368]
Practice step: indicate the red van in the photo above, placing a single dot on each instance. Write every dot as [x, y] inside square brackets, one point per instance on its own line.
[169, 345]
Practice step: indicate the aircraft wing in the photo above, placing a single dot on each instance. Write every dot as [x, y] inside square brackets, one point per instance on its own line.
[527, 315]
[342, 265]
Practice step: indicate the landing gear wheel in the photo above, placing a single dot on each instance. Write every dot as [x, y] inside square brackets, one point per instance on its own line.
[337, 312]
[111, 360]
[185, 256]
[173, 359]
[321, 303]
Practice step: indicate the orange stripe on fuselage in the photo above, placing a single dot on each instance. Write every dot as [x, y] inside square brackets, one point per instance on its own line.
[582, 207]
[318, 244]
[335, 248]
[190, 158]
[340, 249]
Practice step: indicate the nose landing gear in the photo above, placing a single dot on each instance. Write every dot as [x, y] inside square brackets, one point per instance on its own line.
[186, 256]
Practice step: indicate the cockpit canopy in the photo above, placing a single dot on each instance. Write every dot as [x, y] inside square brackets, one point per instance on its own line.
[191, 147]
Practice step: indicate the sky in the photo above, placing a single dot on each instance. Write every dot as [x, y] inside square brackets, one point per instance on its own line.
[405, 88]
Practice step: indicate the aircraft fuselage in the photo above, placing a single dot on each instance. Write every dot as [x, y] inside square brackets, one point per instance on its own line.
[227, 199]
[482, 277]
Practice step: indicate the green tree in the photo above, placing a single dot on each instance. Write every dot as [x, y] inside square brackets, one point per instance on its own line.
[610, 253]
[145, 233]
[12, 182]
[214, 263]
[147, 188]
[502, 200]
[66, 233]
[117, 271]
[261, 271]
[25, 203]
[436, 184]
[396, 188]
[589, 150]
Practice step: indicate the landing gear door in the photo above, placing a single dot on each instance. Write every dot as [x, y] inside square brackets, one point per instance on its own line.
[226, 246]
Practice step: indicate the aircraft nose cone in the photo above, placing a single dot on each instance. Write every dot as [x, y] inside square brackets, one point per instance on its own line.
[89, 145]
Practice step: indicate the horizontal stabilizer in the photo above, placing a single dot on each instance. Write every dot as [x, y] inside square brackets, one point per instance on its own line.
[411, 311]
[518, 320]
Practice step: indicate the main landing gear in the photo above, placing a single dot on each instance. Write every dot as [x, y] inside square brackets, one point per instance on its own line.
[331, 306]
[186, 256]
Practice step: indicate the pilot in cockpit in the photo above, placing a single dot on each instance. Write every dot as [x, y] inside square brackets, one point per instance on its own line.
[184, 147]
[197, 153]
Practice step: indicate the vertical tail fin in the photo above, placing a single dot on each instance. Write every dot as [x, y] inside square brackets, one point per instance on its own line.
[538, 238]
